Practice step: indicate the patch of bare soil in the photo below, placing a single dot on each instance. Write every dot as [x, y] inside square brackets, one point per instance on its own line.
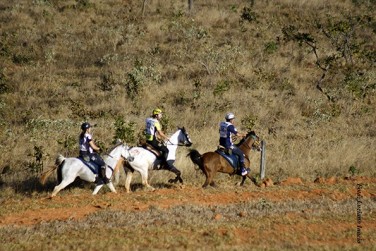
[66, 206]
[310, 225]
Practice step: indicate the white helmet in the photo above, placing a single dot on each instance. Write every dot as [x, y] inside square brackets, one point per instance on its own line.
[229, 116]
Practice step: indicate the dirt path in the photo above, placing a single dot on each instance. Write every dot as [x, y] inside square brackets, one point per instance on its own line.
[30, 211]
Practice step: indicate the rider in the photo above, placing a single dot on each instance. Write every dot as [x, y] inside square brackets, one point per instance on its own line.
[226, 130]
[155, 135]
[88, 150]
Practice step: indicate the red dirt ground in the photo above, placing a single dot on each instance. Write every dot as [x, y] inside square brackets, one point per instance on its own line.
[33, 211]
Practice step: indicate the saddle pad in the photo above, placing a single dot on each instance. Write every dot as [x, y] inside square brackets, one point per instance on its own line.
[91, 165]
[232, 159]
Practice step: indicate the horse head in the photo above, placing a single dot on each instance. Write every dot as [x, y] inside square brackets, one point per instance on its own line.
[184, 138]
[125, 153]
[120, 150]
[252, 141]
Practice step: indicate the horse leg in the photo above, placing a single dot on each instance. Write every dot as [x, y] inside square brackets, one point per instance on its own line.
[61, 186]
[128, 179]
[111, 186]
[144, 178]
[97, 188]
[116, 177]
[209, 177]
[173, 169]
[243, 179]
[253, 179]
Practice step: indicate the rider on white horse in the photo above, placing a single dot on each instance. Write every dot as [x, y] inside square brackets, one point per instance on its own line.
[87, 151]
[155, 137]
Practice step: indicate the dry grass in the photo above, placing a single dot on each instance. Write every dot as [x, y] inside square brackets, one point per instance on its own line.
[292, 224]
[55, 57]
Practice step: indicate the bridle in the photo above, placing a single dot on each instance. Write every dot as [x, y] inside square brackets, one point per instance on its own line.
[255, 142]
[181, 144]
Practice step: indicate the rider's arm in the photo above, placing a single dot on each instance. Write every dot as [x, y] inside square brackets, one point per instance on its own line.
[162, 135]
[236, 132]
[240, 134]
[94, 146]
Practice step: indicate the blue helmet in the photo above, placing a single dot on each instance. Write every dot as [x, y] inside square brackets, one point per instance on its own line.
[85, 126]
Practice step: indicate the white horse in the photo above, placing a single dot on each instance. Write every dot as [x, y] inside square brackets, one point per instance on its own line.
[143, 159]
[71, 168]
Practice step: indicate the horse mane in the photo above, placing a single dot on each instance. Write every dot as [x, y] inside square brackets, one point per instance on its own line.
[112, 148]
[250, 133]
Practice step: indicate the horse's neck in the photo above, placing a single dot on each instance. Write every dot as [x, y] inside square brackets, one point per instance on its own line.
[114, 152]
[246, 146]
[173, 145]
[113, 157]
[174, 139]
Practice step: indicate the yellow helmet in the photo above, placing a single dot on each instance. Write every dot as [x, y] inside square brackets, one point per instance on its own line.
[157, 111]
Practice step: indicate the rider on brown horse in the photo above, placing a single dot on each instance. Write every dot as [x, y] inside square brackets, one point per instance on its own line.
[226, 130]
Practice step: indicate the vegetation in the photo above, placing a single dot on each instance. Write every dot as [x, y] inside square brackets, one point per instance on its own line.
[300, 73]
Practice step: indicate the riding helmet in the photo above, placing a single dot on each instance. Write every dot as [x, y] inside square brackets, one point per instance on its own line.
[85, 126]
[157, 111]
[229, 116]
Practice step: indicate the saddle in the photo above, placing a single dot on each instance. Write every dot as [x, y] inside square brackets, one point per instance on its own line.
[232, 159]
[90, 164]
[159, 164]
[150, 148]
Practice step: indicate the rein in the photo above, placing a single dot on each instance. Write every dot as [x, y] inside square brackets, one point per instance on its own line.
[249, 146]
[179, 144]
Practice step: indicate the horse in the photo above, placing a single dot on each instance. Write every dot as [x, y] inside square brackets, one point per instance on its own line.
[143, 159]
[212, 162]
[68, 169]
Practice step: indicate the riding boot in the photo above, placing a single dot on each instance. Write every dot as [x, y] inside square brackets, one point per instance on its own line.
[243, 170]
[103, 174]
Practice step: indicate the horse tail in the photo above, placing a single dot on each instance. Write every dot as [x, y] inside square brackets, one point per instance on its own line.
[46, 174]
[59, 160]
[196, 158]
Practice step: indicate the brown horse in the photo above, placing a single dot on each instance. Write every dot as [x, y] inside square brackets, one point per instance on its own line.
[211, 162]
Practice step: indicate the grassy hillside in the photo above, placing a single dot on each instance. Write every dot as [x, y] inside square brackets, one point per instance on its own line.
[300, 73]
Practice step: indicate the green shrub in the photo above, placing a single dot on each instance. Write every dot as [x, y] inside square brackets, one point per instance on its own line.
[36, 165]
[270, 47]
[124, 131]
[221, 88]
[249, 122]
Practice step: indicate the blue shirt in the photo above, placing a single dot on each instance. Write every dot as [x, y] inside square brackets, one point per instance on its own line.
[226, 130]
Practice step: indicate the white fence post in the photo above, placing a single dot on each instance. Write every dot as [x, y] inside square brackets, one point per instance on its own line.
[262, 159]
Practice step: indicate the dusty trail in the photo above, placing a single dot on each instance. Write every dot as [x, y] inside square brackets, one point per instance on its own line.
[31, 211]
